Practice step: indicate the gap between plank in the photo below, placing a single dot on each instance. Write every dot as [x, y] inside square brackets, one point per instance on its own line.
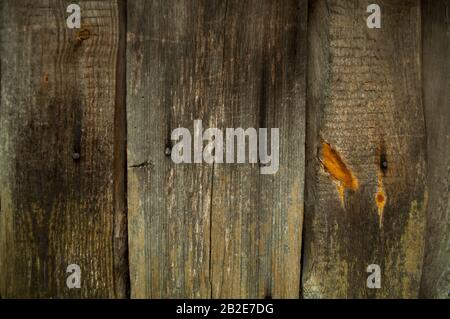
[120, 226]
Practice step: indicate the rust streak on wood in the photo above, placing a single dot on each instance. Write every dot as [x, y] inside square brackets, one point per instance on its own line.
[338, 170]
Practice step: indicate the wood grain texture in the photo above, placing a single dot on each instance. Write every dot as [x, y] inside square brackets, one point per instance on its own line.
[58, 94]
[257, 219]
[364, 102]
[86, 118]
[436, 88]
[218, 230]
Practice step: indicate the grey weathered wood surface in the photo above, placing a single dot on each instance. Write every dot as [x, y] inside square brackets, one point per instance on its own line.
[364, 99]
[58, 98]
[257, 219]
[217, 230]
[436, 88]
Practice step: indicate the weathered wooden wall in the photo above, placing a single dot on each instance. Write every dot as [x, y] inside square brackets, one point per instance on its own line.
[85, 134]
[57, 132]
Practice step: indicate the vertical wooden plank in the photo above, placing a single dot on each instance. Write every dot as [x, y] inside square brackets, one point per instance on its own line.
[365, 190]
[174, 77]
[257, 219]
[216, 230]
[436, 70]
[58, 93]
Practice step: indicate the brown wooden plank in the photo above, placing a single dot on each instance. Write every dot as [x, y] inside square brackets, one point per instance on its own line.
[365, 189]
[217, 230]
[257, 218]
[436, 69]
[174, 63]
[58, 93]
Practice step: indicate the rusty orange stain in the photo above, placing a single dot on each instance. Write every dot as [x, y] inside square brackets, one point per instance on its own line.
[380, 199]
[338, 170]
[380, 196]
[336, 167]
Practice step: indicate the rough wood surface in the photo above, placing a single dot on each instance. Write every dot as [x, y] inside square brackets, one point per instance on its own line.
[257, 219]
[436, 88]
[58, 94]
[86, 118]
[218, 230]
[365, 181]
